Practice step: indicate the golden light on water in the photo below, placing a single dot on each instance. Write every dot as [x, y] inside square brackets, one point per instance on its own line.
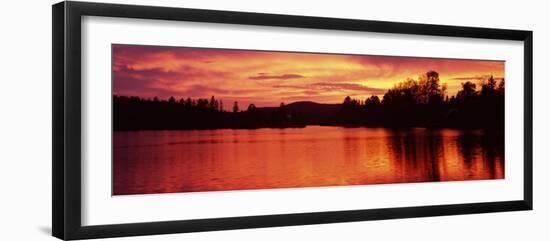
[218, 160]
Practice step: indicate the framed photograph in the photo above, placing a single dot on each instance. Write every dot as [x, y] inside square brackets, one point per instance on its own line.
[169, 120]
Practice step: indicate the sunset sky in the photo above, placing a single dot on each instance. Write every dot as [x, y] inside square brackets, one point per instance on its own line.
[268, 78]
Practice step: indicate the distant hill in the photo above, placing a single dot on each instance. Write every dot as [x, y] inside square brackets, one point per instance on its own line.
[310, 112]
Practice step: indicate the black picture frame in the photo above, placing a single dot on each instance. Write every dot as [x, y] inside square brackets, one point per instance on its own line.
[66, 169]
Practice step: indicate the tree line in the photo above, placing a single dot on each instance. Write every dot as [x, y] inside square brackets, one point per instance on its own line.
[424, 103]
[134, 113]
[412, 103]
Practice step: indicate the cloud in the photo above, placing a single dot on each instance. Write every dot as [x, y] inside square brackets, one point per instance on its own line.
[201, 90]
[348, 86]
[183, 72]
[310, 92]
[292, 86]
[157, 81]
[264, 76]
[327, 86]
[149, 71]
[480, 77]
[147, 53]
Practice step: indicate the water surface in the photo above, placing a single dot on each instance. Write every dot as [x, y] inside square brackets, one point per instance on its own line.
[213, 160]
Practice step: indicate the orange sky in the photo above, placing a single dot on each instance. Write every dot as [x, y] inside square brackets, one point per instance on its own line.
[268, 78]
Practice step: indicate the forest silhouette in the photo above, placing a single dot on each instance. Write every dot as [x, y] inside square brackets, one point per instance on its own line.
[412, 103]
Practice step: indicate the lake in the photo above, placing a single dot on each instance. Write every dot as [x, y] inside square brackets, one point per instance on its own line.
[146, 162]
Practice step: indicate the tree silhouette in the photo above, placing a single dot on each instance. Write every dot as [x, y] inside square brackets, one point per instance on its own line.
[500, 88]
[372, 102]
[251, 108]
[213, 105]
[489, 88]
[347, 101]
[468, 91]
[411, 103]
[235, 107]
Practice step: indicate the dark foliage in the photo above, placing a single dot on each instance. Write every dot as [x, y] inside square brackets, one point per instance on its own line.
[133, 113]
[424, 103]
[412, 103]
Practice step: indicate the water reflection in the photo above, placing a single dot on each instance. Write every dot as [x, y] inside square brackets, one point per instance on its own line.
[211, 160]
